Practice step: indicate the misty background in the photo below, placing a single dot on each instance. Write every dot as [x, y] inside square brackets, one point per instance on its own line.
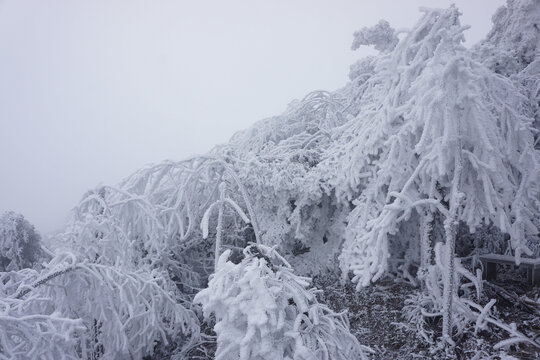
[90, 91]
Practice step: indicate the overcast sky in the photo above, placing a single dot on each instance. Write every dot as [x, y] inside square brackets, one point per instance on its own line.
[92, 90]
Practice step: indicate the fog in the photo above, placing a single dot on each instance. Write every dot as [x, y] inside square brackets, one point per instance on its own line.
[92, 90]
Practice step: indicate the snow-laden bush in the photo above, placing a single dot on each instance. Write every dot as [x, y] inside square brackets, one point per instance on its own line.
[20, 244]
[80, 310]
[264, 311]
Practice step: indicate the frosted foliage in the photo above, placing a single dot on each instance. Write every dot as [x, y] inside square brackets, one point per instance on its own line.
[78, 310]
[154, 217]
[439, 134]
[264, 311]
[19, 243]
[512, 49]
[362, 69]
[382, 36]
[513, 42]
[279, 160]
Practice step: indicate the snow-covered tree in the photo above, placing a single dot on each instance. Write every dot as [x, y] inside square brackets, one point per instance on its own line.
[381, 36]
[438, 136]
[513, 42]
[441, 140]
[512, 49]
[20, 244]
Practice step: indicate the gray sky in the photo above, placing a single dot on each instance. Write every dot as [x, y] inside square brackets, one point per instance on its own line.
[92, 90]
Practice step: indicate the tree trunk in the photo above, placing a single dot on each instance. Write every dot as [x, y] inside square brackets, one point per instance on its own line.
[450, 230]
[426, 227]
[219, 224]
[448, 279]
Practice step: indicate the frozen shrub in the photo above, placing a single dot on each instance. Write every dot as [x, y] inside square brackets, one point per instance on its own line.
[79, 310]
[264, 311]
